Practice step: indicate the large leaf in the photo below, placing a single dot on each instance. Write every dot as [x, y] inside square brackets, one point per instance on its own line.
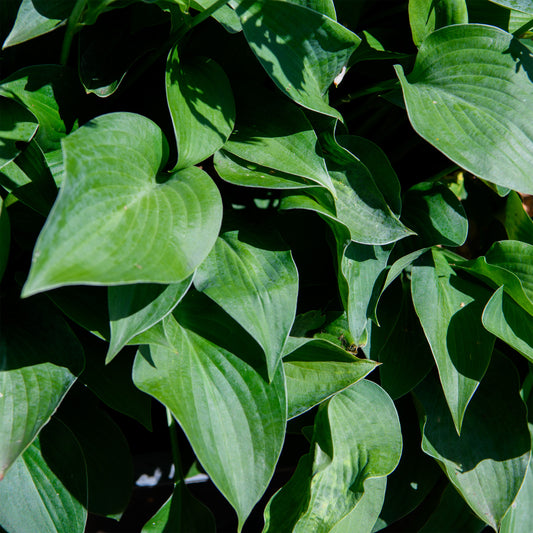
[278, 136]
[17, 125]
[45, 490]
[256, 282]
[302, 59]
[136, 308]
[316, 369]
[51, 92]
[526, 6]
[37, 17]
[39, 362]
[488, 462]
[469, 95]
[449, 309]
[234, 420]
[201, 105]
[135, 225]
[356, 438]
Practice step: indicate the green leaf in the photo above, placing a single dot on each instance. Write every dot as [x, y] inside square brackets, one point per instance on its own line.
[452, 514]
[504, 318]
[136, 308]
[435, 213]
[326, 7]
[39, 362]
[363, 269]
[37, 17]
[106, 452]
[518, 224]
[525, 6]
[469, 95]
[426, 16]
[181, 513]
[316, 369]
[201, 104]
[224, 14]
[45, 490]
[136, 225]
[303, 59]
[399, 343]
[357, 438]
[17, 125]
[5, 238]
[256, 282]
[488, 462]
[234, 420]
[449, 308]
[278, 136]
[51, 92]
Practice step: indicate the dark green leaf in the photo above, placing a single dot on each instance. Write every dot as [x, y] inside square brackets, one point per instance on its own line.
[517, 222]
[132, 228]
[470, 96]
[201, 104]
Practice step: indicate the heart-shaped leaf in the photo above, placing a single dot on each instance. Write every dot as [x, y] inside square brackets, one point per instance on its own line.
[256, 283]
[201, 104]
[469, 95]
[234, 420]
[116, 220]
[40, 353]
[304, 59]
[449, 309]
[488, 462]
[136, 308]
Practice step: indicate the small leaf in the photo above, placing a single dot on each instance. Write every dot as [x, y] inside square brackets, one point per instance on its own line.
[357, 437]
[201, 104]
[45, 490]
[302, 60]
[256, 282]
[17, 125]
[39, 354]
[449, 309]
[132, 227]
[435, 213]
[488, 462]
[518, 224]
[469, 95]
[136, 308]
[316, 369]
[234, 420]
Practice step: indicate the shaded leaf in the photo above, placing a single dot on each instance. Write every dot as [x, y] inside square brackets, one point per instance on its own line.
[488, 462]
[518, 224]
[449, 309]
[133, 228]
[469, 95]
[201, 104]
[136, 308]
[256, 282]
[304, 59]
[234, 420]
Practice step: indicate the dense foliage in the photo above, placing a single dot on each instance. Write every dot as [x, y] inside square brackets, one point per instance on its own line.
[279, 221]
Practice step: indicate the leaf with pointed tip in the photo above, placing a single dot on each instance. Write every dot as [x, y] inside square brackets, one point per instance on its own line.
[256, 282]
[52, 93]
[136, 308]
[17, 125]
[488, 462]
[277, 135]
[201, 105]
[39, 354]
[449, 309]
[234, 420]
[357, 437]
[45, 490]
[114, 221]
[316, 369]
[302, 60]
[469, 95]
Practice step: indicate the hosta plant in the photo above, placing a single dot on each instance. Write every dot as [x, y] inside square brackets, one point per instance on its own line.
[300, 229]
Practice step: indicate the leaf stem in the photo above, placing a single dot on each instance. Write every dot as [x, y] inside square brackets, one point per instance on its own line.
[72, 26]
[176, 456]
